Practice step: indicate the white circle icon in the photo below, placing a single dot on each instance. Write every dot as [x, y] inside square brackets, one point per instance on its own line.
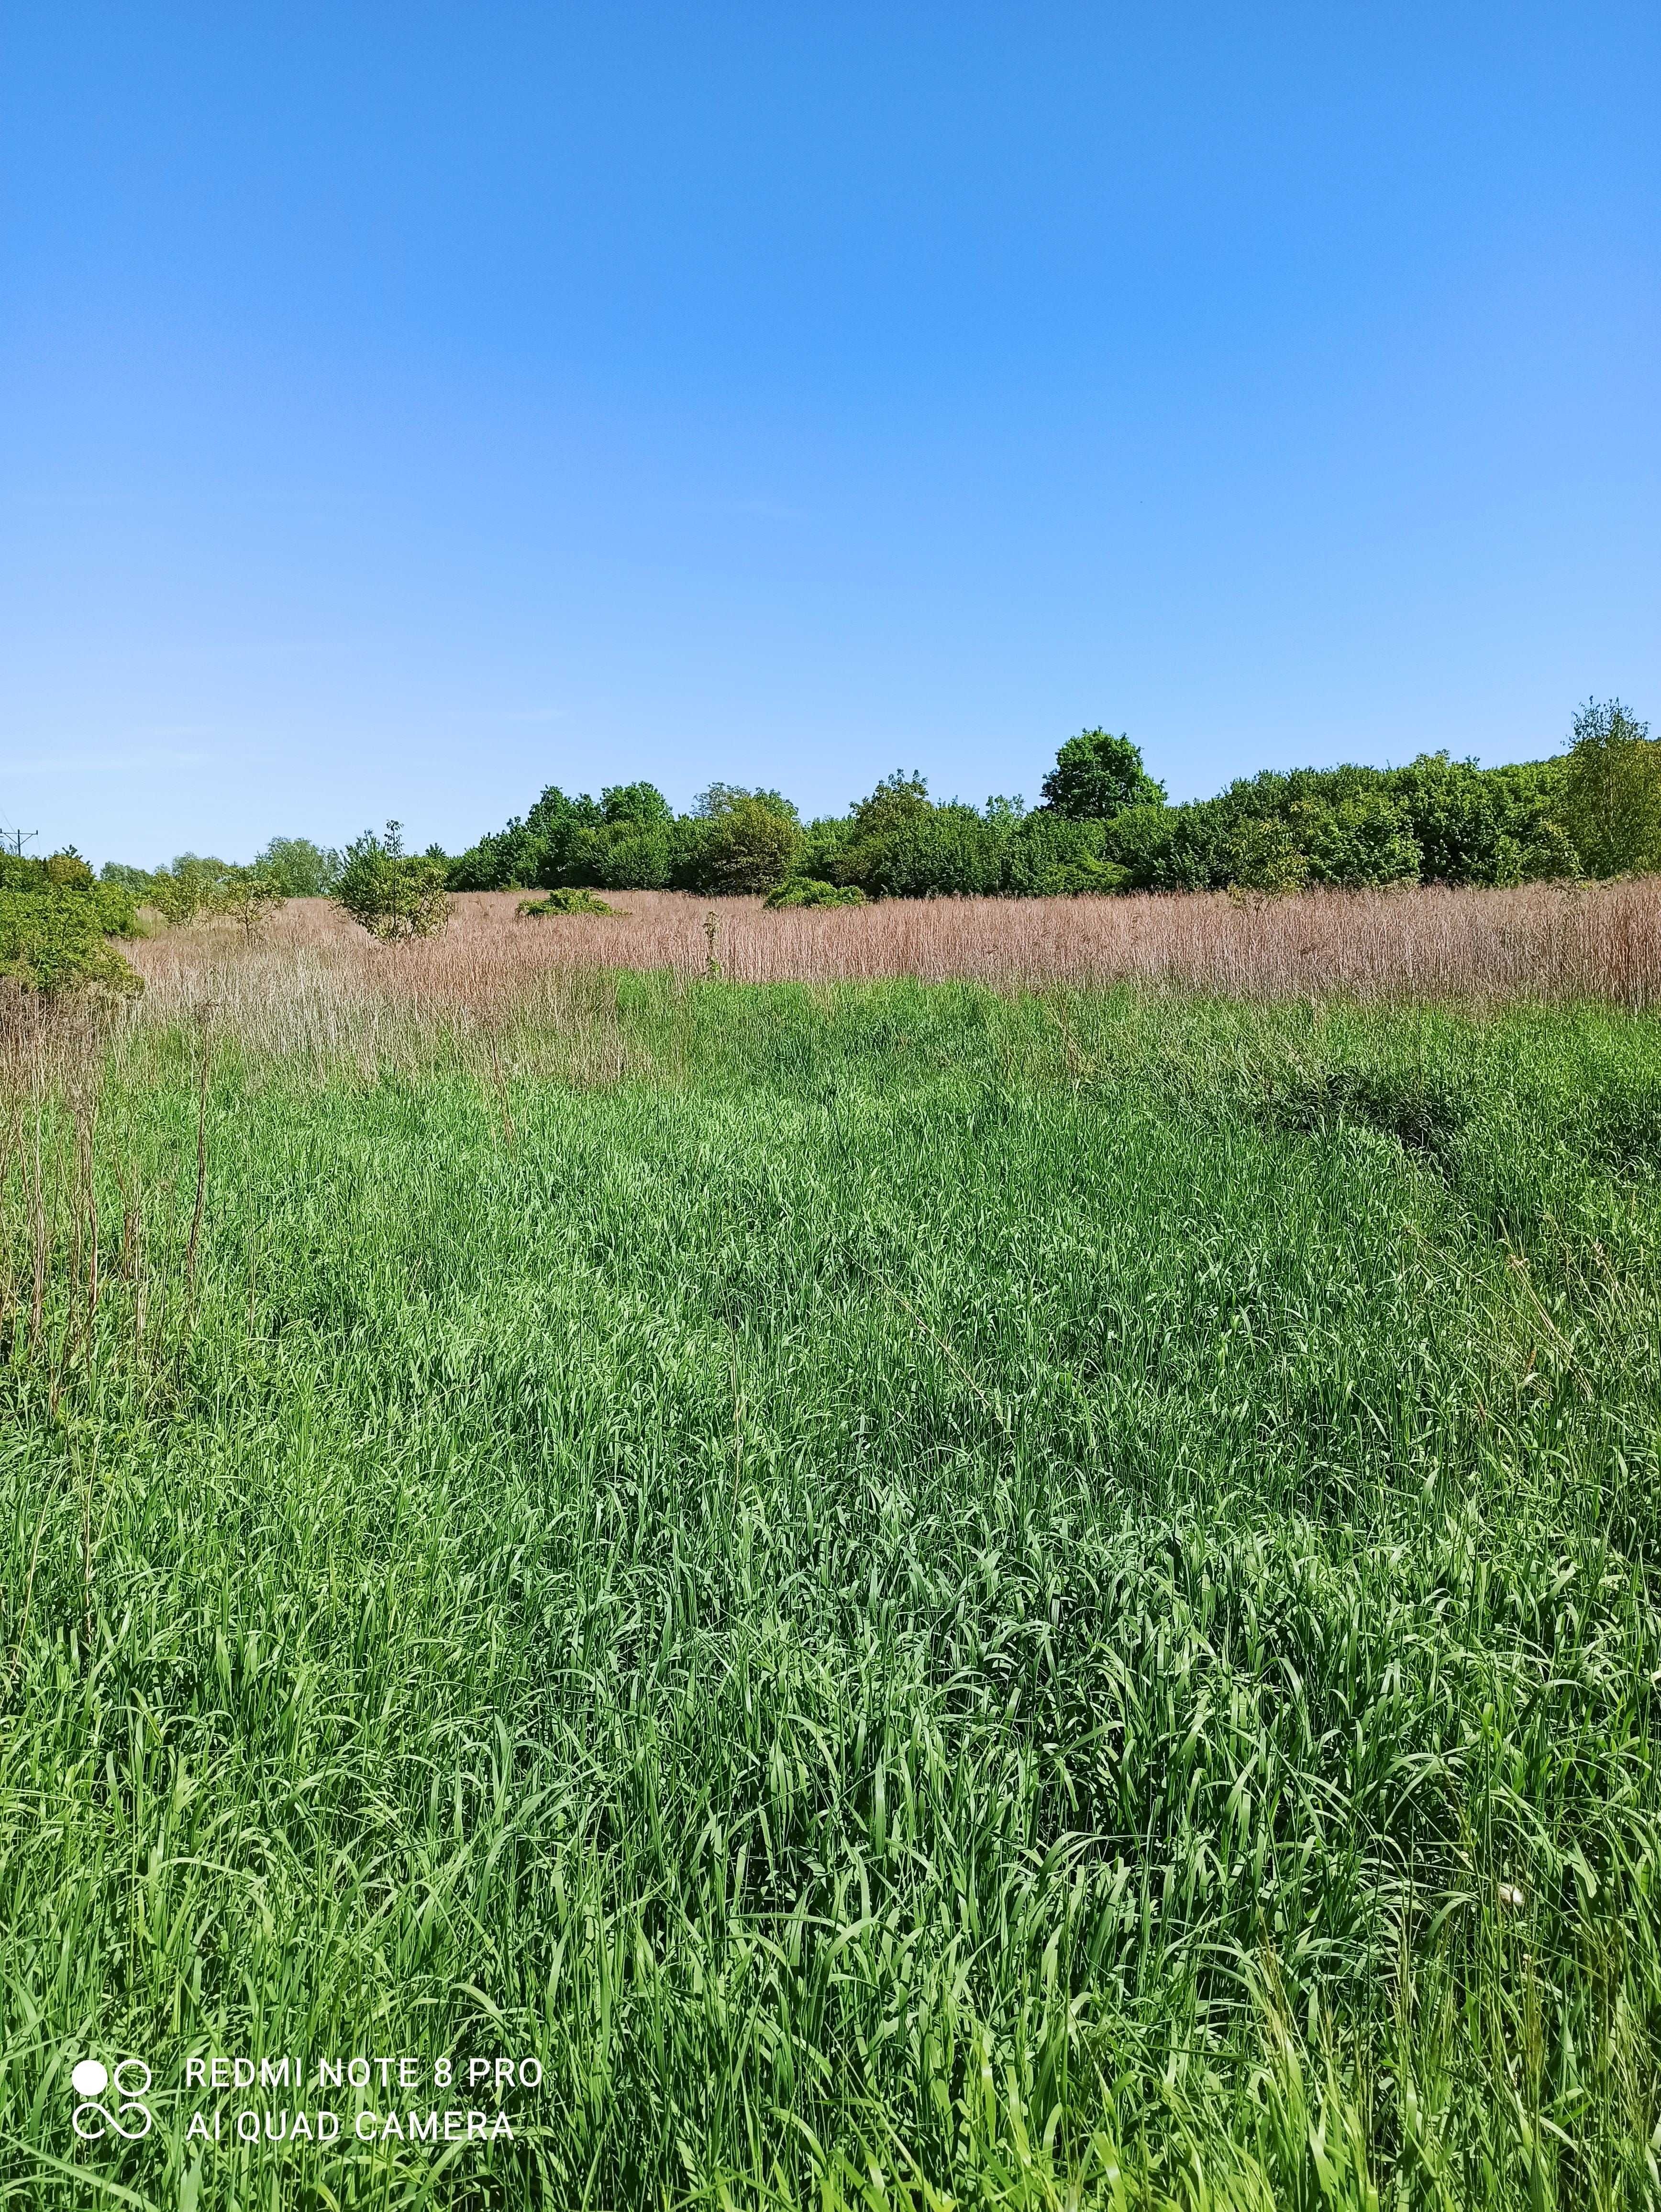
[89, 2078]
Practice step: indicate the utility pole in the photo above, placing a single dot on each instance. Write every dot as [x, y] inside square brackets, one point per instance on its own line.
[19, 838]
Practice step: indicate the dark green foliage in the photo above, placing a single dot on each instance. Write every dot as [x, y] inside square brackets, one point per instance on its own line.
[533, 850]
[902, 851]
[1475, 825]
[392, 893]
[1436, 821]
[626, 855]
[897, 799]
[808, 890]
[639, 804]
[1106, 827]
[1097, 775]
[1423, 1109]
[56, 921]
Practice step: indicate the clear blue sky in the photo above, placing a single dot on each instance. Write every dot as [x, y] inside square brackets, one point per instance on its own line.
[406, 406]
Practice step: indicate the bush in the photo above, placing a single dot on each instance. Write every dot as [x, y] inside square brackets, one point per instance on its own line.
[626, 856]
[749, 840]
[808, 890]
[1476, 825]
[1612, 791]
[56, 923]
[251, 896]
[1362, 840]
[391, 893]
[192, 887]
[641, 804]
[1049, 856]
[534, 849]
[565, 901]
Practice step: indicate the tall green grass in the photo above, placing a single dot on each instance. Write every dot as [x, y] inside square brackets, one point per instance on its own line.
[930, 1598]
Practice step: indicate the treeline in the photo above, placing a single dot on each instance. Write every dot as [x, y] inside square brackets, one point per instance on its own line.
[196, 883]
[1104, 825]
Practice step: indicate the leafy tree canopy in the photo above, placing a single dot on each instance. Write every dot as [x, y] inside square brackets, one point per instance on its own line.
[1095, 775]
[299, 868]
[638, 803]
[1612, 791]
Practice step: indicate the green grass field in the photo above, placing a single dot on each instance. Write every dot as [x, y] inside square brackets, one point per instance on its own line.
[924, 1598]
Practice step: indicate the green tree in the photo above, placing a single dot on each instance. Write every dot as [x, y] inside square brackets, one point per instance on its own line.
[642, 803]
[390, 892]
[897, 799]
[251, 896]
[192, 886]
[750, 840]
[1096, 774]
[1612, 791]
[302, 869]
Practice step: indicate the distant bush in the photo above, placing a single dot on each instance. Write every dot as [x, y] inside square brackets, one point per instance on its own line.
[392, 893]
[192, 886]
[250, 897]
[56, 922]
[566, 901]
[806, 891]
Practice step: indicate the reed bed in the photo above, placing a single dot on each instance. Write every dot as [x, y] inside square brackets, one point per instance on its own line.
[1540, 941]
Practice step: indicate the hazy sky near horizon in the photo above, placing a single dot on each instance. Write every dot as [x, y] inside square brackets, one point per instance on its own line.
[405, 407]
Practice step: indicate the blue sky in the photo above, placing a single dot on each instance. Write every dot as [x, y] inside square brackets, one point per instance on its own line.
[404, 407]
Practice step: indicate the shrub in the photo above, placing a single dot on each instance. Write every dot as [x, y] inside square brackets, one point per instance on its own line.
[565, 901]
[192, 887]
[625, 856]
[250, 896]
[748, 841]
[1262, 855]
[1612, 791]
[808, 890]
[1476, 825]
[945, 851]
[392, 893]
[1364, 840]
[533, 850]
[638, 803]
[1049, 856]
[55, 926]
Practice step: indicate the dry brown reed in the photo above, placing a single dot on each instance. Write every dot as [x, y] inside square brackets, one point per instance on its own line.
[317, 983]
